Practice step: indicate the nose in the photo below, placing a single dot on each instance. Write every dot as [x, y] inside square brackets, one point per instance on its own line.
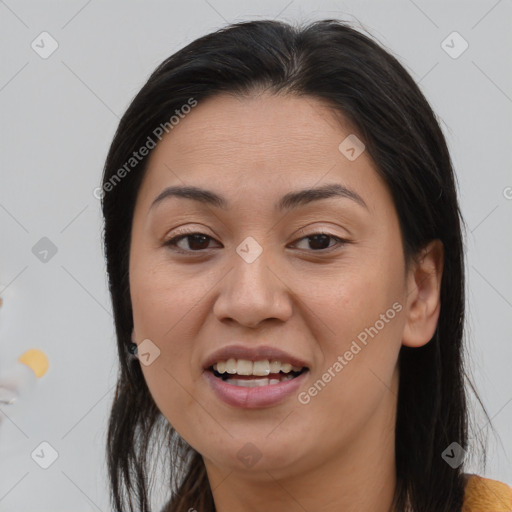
[252, 293]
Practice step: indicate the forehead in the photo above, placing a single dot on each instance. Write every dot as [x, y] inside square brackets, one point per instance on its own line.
[258, 143]
[226, 123]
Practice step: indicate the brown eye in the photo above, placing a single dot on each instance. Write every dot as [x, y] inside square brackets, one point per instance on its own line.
[320, 241]
[196, 242]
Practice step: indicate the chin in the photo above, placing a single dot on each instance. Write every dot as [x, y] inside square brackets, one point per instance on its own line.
[258, 456]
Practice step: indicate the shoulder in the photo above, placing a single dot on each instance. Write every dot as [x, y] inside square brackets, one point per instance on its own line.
[483, 494]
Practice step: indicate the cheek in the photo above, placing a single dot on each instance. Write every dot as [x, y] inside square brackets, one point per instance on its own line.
[172, 390]
[357, 370]
[162, 303]
[356, 297]
[161, 296]
[365, 320]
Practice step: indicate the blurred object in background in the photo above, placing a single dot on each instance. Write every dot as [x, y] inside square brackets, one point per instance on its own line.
[22, 377]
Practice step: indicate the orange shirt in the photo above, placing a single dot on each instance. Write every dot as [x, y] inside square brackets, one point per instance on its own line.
[480, 495]
[486, 495]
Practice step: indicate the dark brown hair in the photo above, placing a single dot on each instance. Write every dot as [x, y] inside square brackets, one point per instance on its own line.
[330, 61]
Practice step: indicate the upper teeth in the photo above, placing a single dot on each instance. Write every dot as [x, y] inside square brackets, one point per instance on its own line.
[261, 368]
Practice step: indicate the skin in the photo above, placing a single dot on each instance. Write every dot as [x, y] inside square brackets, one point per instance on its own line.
[336, 452]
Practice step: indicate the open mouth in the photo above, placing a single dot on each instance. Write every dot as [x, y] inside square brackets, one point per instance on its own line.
[250, 381]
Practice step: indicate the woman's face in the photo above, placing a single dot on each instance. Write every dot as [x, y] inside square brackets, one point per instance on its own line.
[257, 278]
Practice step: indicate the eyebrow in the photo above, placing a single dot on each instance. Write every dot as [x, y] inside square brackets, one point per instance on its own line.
[287, 202]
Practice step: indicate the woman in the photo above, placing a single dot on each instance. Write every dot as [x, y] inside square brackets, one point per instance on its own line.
[285, 260]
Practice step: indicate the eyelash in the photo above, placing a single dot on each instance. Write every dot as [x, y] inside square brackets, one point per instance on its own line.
[185, 234]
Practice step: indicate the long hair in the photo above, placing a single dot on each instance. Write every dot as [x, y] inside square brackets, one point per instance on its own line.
[330, 61]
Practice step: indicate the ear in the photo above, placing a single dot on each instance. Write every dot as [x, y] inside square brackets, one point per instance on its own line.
[423, 295]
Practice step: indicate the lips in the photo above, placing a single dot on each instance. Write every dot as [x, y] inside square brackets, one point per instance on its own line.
[253, 354]
[254, 397]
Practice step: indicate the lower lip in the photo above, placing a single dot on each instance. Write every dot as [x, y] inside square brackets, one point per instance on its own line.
[252, 398]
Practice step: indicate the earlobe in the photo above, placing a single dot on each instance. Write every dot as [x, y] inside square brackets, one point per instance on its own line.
[424, 295]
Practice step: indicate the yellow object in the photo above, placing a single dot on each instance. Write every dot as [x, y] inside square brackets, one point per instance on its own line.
[486, 495]
[36, 361]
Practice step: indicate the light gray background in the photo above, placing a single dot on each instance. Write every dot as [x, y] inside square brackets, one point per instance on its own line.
[58, 117]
